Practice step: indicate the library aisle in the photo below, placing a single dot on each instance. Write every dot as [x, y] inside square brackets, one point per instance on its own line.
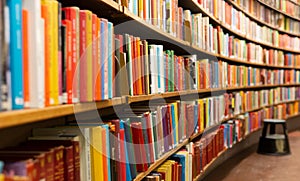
[262, 168]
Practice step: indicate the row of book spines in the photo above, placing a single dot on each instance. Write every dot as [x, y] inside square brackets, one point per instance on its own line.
[282, 111]
[188, 162]
[235, 19]
[284, 5]
[285, 23]
[202, 152]
[37, 160]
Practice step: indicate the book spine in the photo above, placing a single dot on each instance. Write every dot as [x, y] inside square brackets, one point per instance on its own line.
[16, 64]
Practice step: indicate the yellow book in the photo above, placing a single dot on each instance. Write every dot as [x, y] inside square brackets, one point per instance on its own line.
[1, 177]
[141, 9]
[201, 125]
[139, 67]
[207, 112]
[89, 56]
[54, 57]
[96, 154]
[167, 169]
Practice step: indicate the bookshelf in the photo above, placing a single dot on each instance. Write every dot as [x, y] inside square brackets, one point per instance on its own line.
[259, 21]
[197, 8]
[275, 9]
[119, 14]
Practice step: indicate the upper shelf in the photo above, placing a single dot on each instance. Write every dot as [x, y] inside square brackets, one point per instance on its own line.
[260, 21]
[279, 11]
[196, 8]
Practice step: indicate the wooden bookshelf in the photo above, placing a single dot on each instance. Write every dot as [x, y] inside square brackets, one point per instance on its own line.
[279, 11]
[260, 21]
[296, 3]
[220, 154]
[237, 115]
[196, 8]
[140, 98]
[199, 177]
[161, 160]
[19, 117]
[25, 116]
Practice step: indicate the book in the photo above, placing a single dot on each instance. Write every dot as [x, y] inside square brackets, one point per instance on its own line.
[15, 50]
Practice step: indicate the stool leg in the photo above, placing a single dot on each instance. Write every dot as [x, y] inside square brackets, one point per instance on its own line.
[264, 132]
[272, 129]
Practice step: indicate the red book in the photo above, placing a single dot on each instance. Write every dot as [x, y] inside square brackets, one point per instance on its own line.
[139, 148]
[68, 61]
[72, 14]
[123, 156]
[97, 63]
[95, 46]
[83, 56]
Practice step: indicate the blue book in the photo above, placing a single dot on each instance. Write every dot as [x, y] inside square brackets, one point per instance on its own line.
[110, 72]
[181, 159]
[128, 170]
[1, 166]
[173, 125]
[158, 68]
[15, 51]
[102, 60]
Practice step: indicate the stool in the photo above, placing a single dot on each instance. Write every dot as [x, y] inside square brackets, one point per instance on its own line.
[272, 143]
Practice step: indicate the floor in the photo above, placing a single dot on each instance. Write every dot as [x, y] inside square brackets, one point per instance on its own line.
[255, 167]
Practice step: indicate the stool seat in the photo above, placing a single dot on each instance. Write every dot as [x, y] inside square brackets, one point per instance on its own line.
[272, 143]
[274, 121]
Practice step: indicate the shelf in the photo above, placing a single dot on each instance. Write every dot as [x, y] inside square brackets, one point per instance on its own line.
[140, 98]
[240, 61]
[235, 116]
[260, 21]
[196, 8]
[19, 117]
[279, 11]
[160, 161]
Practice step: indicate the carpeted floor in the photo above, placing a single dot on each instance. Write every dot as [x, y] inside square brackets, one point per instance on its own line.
[256, 167]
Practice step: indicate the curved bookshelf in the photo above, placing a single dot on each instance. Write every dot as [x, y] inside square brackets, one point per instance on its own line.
[279, 11]
[25, 116]
[148, 31]
[140, 98]
[193, 137]
[199, 177]
[197, 8]
[260, 21]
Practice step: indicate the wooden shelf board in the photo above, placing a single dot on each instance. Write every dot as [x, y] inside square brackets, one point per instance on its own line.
[140, 98]
[260, 21]
[160, 161]
[279, 11]
[19, 117]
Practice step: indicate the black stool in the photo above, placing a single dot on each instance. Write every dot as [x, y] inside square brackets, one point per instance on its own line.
[272, 143]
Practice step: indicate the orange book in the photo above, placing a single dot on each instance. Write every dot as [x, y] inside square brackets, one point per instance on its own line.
[98, 77]
[25, 57]
[139, 67]
[45, 14]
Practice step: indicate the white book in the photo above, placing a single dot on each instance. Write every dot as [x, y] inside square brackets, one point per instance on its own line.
[36, 56]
